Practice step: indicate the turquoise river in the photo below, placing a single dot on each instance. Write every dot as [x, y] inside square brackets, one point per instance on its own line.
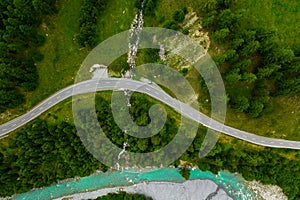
[232, 183]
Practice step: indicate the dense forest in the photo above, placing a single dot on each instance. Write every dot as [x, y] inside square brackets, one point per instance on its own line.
[19, 40]
[123, 196]
[43, 153]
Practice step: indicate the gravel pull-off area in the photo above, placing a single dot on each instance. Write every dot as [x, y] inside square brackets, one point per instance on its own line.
[189, 190]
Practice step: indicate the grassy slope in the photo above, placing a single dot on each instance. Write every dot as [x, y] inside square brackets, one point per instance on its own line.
[284, 15]
[117, 17]
[284, 120]
[62, 55]
[65, 56]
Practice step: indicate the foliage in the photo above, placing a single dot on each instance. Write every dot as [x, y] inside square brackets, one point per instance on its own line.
[233, 76]
[221, 35]
[18, 48]
[185, 31]
[240, 104]
[178, 15]
[123, 196]
[256, 107]
[253, 55]
[149, 6]
[90, 11]
[170, 24]
[185, 172]
[44, 6]
[249, 77]
[266, 165]
[43, 153]
[209, 19]
[139, 112]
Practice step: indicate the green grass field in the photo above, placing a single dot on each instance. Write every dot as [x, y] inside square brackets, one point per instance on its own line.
[282, 122]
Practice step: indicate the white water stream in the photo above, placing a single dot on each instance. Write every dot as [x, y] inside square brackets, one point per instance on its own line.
[134, 40]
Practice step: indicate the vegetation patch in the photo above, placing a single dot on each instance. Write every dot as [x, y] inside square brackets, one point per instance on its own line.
[90, 10]
[123, 195]
[18, 53]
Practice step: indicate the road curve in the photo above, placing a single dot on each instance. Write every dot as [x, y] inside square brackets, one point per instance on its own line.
[153, 91]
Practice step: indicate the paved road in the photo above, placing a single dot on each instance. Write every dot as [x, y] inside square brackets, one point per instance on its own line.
[153, 91]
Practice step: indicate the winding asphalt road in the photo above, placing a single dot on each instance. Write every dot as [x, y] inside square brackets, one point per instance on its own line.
[151, 90]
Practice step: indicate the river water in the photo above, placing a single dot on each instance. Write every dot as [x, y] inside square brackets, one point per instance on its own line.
[232, 184]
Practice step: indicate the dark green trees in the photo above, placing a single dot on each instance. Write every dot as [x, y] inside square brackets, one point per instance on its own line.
[19, 39]
[250, 56]
[178, 15]
[41, 154]
[241, 104]
[44, 6]
[123, 196]
[90, 11]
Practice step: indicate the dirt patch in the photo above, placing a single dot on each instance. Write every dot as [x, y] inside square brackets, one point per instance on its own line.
[193, 24]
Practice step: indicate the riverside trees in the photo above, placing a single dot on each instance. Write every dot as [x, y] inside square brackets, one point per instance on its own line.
[123, 195]
[43, 152]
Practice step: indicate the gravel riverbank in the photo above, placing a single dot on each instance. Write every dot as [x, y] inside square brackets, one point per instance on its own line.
[189, 190]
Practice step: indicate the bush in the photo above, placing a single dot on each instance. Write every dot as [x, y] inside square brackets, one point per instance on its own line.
[37, 56]
[184, 71]
[241, 104]
[178, 15]
[185, 10]
[185, 31]
[255, 109]
[170, 24]
[124, 196]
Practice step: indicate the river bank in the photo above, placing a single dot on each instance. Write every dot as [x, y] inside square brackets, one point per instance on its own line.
[167, 180]
[189, 190]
